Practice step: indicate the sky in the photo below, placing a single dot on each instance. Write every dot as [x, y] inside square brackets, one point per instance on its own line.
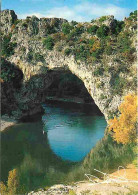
[78, 10]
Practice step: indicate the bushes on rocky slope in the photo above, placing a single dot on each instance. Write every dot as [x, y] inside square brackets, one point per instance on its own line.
[7, 46]
[48, 43]
[66, 28]
[102, 31]
[92, 29]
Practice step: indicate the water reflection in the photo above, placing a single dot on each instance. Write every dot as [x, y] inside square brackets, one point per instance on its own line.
[72, 132]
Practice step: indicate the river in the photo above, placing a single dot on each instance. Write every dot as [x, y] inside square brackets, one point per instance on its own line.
[56, 140]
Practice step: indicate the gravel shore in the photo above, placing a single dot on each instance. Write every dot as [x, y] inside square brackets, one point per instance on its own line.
[6, 121]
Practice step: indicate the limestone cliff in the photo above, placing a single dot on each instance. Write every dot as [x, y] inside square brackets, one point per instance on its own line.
[35, 60]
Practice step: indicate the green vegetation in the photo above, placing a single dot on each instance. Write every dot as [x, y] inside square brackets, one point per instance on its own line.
[99, 71]
[31, 174]
[38, 57]
[66, 28]
[67, 51]
[124, 42]
[75, 33]
[108, 50]
[102, 97]
[74, 23]
[30, 56]
[102, 19]
[25, 25]
[102, 31]
[7, 71]
[35, 56]
[118, 84]
[108, 155]
[82, 52]
[92, 30]
[118, 27]
[48, 43]
[16, 22]
[133, 16]
[7, 46]
[90, 44]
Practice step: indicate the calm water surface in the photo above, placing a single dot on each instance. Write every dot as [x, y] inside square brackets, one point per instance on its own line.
[65, 134]
[72, 130]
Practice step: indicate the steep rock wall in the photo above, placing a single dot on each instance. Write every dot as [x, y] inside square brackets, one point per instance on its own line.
[28, 38]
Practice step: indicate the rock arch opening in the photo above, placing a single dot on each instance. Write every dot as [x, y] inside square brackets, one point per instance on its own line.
[67, 87]
[56, 85]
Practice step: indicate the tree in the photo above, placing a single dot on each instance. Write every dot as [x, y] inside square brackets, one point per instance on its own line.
[13, 182]
[12, 187]
[3, 189]
[124, 127]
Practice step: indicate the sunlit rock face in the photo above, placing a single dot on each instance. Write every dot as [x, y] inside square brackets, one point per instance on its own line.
[29, 34]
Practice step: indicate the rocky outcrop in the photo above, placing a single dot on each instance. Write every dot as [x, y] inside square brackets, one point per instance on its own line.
[54, 190]
[8, 17]
[90, 188]
[28, 36]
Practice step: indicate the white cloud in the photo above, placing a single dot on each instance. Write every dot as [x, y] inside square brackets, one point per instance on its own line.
[64, 12]
[82, 12]
[96, 10]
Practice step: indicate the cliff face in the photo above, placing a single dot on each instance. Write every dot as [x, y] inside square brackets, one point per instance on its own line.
[35, 61]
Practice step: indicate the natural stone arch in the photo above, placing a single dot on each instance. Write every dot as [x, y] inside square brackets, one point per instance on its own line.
[83, 71]
[31, 39]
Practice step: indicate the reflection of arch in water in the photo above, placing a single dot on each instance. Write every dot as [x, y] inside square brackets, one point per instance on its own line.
[26, 141]
[72, 132]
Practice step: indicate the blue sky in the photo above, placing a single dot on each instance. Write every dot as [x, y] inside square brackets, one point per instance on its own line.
[79, 10]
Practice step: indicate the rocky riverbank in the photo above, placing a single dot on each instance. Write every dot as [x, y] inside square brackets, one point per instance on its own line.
[89, 188]
[7, 121]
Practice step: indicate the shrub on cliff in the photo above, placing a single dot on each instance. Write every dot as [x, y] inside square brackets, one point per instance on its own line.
[38, 57]
[124, 127]
[102, 19]
[48, 43]
[67, 51]
[74, 23]
[124, 42]
[82, 52]
[108, 50]
[10, 73]
[118, 83]
[102, 31]
[7, 46]
[124, 46]
[99, 71]
[75, 33]
[117, 28]
[133, 16]
[30, 56]
[92, 30]
[66, 28]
